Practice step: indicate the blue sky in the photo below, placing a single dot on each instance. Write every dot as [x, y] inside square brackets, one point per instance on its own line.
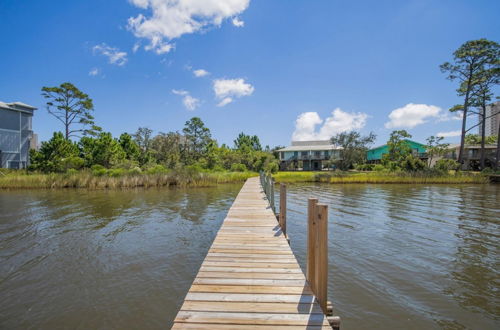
[278, 69]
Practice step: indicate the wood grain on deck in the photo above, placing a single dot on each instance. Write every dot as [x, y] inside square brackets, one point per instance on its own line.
[250, 278]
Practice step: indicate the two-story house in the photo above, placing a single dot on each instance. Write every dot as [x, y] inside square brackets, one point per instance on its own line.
[15, 134]
[308, 155]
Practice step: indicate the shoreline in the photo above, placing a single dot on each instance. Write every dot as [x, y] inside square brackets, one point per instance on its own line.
[89, 180]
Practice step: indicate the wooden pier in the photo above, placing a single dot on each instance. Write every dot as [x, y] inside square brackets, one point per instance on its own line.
[250, 278]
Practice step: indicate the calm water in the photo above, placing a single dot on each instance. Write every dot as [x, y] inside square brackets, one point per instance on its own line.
[401, 256]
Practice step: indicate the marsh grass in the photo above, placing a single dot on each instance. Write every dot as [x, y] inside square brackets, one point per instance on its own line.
[380, 177]
[112, 180]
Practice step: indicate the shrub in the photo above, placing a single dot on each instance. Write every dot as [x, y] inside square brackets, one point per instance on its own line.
[238, 167]
[379, 168]
[412, 164]
[445, 165]
[155, 169]
[365, 167]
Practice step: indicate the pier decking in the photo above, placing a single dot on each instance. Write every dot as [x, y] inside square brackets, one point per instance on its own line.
[250, 278]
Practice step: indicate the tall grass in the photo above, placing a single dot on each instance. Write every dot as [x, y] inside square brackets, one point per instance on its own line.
[380, 177]
[87, 179]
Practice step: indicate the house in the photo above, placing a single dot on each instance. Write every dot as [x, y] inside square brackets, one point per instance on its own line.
[374, 155]
[15, 134]
[472, 155]
[308, 155]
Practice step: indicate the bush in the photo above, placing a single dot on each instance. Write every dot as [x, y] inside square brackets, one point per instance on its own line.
[412, 164]
[155, 169]
[72, 162]
[238, 167]
[116, 172]
[445, 165]
[98, 170]
[379, 168]
[365, 167]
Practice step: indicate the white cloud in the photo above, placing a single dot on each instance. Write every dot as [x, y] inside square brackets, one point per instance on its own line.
[447, 116]
[238, 22]
[114, 55]
[227, 89]
[340, 121]
[136, 47]
[412, 115]
[94, 72]
[200, 73]
[191, 103]
[449, 134]
[225, 101]
[171, 19]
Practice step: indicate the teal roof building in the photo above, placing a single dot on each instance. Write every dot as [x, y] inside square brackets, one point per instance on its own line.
[375, 154]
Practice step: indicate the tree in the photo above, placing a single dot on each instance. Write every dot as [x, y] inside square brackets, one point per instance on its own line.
[56, 155]
[251, 142]
[475, 139]
[468, 67]
[71, 107]
[354, 147]
[482, 95]
[166, 149]
[197, 139]
[435, 148]
[398, 146]
[103, 150]
[131, 149]
[143, 139]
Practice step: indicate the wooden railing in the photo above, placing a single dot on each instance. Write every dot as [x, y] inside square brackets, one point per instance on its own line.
[317, 243]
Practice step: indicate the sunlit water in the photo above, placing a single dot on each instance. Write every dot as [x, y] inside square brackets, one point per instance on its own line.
[401, 256]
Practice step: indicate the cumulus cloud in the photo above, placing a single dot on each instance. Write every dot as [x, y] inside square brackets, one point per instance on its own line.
[238, 22]
[200, 73]
[114, 55]
[191, 103]
[228, 89]
[412, 115]
[339, 121]
[171, 19]
[94, 72]
[449, 134]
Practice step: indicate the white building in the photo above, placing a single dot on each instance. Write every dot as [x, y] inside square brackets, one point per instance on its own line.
[492, 120]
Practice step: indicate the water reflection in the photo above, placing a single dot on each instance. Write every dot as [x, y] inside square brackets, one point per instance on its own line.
[404, 256]
[103, 259]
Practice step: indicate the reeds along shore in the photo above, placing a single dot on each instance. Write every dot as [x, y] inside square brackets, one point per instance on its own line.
[114, 180]
[381, 177]
[87, 179]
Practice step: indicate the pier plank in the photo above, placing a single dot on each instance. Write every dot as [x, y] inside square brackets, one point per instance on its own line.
[250, 279]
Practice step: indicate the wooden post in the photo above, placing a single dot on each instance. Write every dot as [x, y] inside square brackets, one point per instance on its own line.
[272, 195]
[283, 208]
[321, 255]
[311, 236]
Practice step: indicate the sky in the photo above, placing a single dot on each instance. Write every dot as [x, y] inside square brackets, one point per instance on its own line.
[278, 69]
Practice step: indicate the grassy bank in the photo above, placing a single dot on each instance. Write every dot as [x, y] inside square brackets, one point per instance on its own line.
[380, 177]
[89, 180]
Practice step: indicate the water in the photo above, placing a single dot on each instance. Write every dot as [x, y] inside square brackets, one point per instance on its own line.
[401, 256]
[408, 256]
[76, 259]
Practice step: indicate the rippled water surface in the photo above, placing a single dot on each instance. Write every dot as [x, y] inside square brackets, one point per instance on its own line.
[401, 256]
[74, 259]
[408, 256]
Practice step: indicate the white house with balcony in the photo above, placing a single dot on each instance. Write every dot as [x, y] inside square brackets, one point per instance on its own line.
[16, 134]
[308, 155]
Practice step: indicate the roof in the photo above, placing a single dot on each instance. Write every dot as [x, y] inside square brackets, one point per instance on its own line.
[408, 140]
[311, 148]
[16, 106]
[311, 143]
